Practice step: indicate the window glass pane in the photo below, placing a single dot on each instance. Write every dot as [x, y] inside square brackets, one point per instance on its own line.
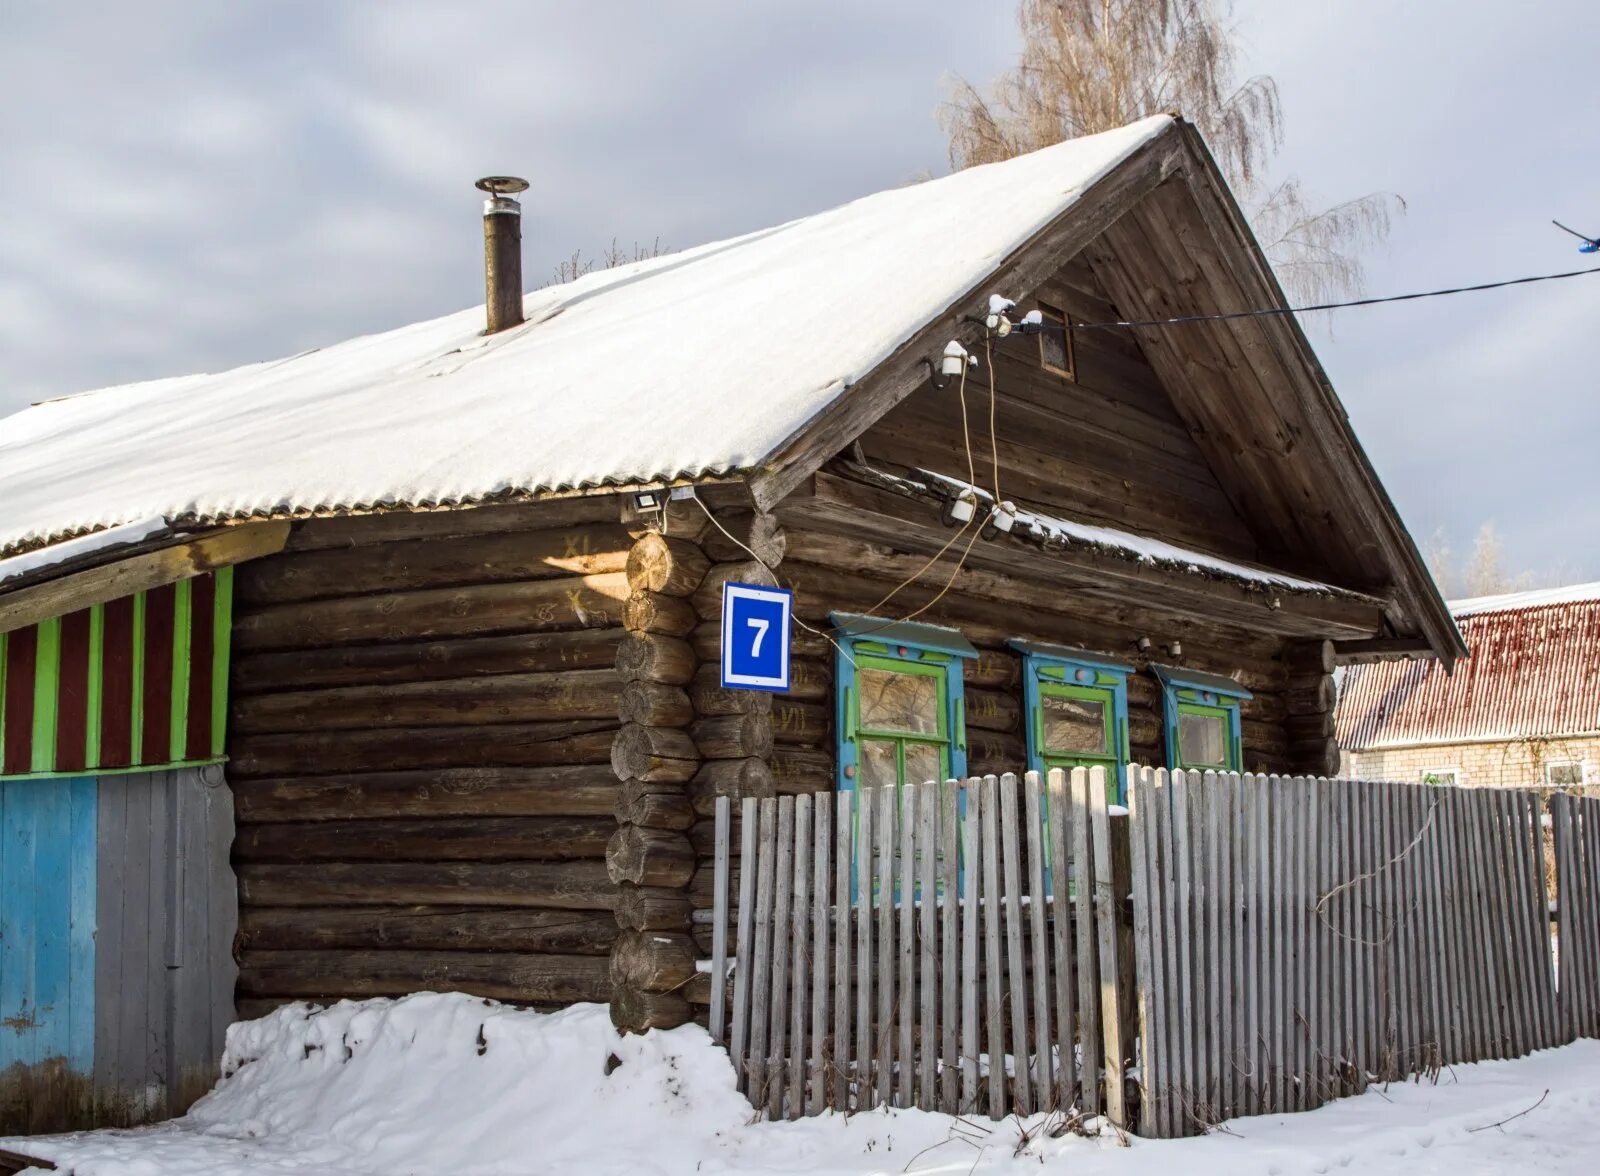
[1074, 725]
[893, 701]
[922, 763]
[1202, 739]
[878, 766]
[1565, 775]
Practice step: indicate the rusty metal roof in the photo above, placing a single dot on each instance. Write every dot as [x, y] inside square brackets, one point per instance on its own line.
[1533, 669]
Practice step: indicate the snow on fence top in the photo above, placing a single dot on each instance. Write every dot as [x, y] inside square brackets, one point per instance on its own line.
[703, 362]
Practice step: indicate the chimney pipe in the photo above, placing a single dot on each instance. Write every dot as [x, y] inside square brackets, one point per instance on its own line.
[502, 251]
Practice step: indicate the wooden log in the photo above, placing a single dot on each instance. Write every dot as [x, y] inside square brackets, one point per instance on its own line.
[652, 961]
[992, 748]
[505, 698]
[403, 523]
[652, 908]
[735, 779]
[586, 741]
[993, 669]
[673, 567]
[427, 928]
[654, 612]
[994, 710]
[707, 597]
[416, 661]
[808, 724]
[1313, 757]
[709, 698]
[1314, 657]
[583, 886]
[654, 805]
[655, 704]
[449, 792]
[1264, 707]
[587, 602]
[652, 657]
[635, 1011]
[433, 563]
[801, 769]
[650, 857]
[1310, 695]
[760, 534]
[733, 736]
[1307, 728]
[497, 975]
[653, 753]
[461, 839]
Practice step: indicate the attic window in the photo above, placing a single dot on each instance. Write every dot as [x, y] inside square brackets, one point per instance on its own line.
[1055, 344]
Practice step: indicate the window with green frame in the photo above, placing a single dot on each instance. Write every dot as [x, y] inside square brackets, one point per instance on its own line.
[1077, 705]
[1202, 720]
[901, 718]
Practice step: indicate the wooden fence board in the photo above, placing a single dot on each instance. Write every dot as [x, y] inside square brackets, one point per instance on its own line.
[865, 844]
[928, 848]
[760, 995]
[993, 1038]
[716, 1018]
[1064, 948]
[843, 860]
[1107, 904]
[949, 949]
[800, 968]
[748, 821]
[1039, 955]
[905, 897]
[821, 924]
[782, 929]
[883, 1046]
[1083, 925]
[1016, 977]
[970, 912]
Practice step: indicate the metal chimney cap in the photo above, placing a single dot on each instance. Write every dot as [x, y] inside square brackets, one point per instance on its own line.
[502, 185]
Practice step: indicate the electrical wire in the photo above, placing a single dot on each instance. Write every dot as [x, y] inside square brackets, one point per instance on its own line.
[1279, 311]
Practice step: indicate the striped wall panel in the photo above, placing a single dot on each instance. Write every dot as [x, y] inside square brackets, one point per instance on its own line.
[140, 682]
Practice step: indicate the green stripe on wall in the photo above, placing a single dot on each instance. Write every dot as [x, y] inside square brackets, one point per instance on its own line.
[221, 639]
[182, 610]
[96, 685]
[46, 695]
[136, 693]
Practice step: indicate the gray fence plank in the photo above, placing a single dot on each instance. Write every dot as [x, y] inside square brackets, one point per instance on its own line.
[994, 1037]
[906, 897]
[950, 993]
[744, 943]
[719, 925]
[1016, 974]
[821, 914]
[866, 844]
[843, 905]
[883, 1048]
[783, 930]
[800, 969]
[1063, 945]
[928, 851]
[970, 913]
[1039, 955]
[1107, 903]
[1089, 1032]
[760, 981]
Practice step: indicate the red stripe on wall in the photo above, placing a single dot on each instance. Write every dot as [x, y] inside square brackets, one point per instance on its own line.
[22, 648]
[155, 741]
[72, 698]
[116, 686]
[202, 602]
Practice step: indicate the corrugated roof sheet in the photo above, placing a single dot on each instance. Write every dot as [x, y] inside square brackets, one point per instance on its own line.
[1532, 670]
[703, 362]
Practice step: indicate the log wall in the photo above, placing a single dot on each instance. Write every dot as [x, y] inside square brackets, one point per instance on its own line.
[423, 715]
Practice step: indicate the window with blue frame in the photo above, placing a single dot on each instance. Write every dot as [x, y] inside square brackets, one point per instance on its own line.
[1202, 719]
[1077, 707]
[901, 706]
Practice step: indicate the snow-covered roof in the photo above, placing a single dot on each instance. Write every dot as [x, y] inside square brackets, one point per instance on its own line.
[699, 363]
[1571, 594]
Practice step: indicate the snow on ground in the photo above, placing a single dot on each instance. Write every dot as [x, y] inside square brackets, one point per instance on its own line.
[452, 1084]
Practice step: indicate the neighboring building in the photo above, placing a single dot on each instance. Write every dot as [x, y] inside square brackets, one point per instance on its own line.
[474, 731]
[1521, 710]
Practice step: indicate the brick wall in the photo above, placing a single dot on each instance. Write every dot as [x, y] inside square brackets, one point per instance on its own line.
[1511, 764]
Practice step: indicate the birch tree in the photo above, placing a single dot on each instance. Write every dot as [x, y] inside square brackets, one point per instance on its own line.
[1094, 65]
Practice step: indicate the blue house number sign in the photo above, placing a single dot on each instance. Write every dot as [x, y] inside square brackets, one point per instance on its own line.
[755, 637]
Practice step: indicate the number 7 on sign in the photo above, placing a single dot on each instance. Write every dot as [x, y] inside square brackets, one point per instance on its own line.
[755, 637]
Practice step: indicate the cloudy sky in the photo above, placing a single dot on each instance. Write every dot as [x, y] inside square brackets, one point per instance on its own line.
[192, 186]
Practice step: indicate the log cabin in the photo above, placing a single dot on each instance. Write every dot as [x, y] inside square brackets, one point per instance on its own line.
[460, 639]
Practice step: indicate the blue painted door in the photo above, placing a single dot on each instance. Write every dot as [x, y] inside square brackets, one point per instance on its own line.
[47, 921]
